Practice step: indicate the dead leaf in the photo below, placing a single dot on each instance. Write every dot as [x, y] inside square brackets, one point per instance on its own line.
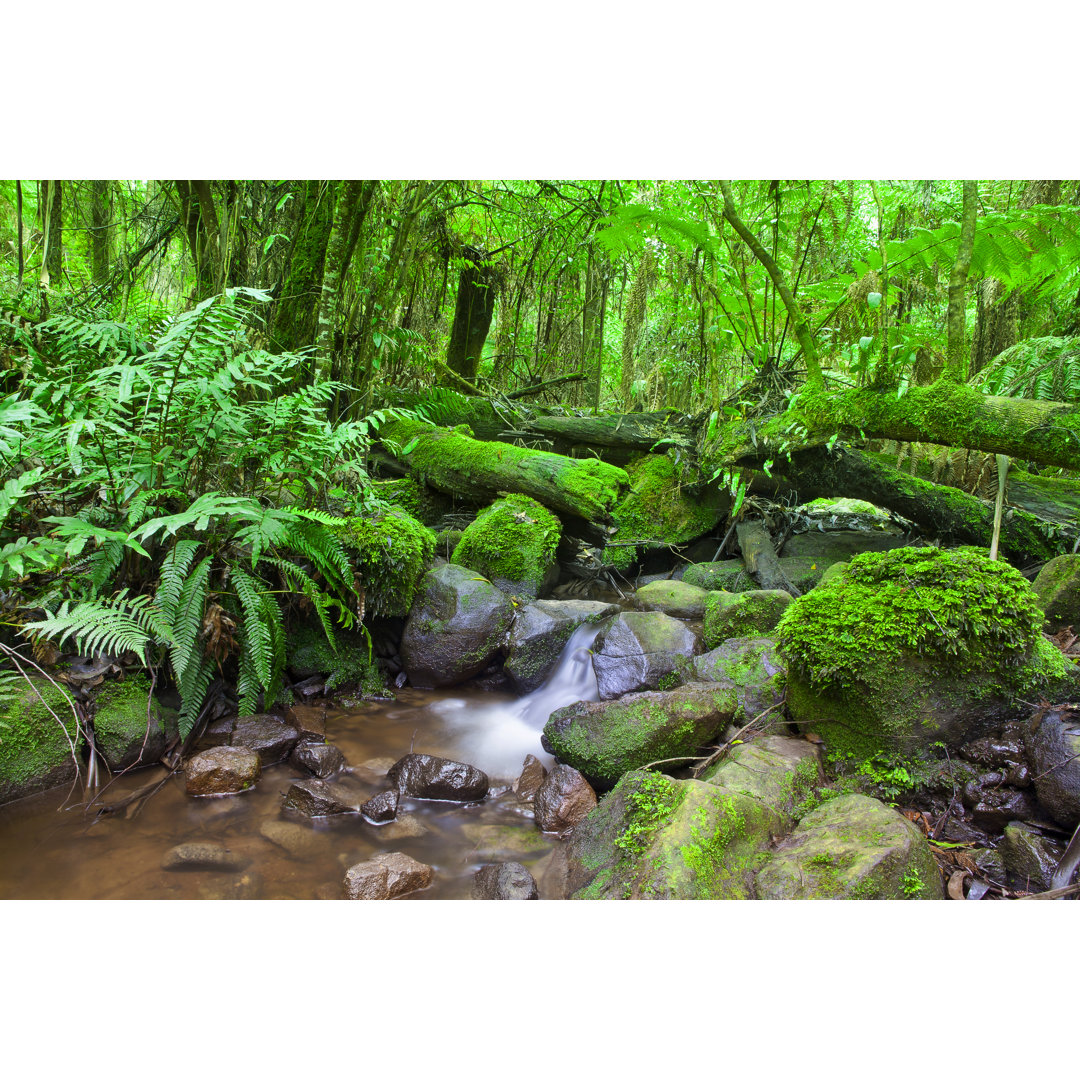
[956, 885]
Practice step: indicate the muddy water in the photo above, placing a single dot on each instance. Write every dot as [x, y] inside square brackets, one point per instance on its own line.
[48, 851]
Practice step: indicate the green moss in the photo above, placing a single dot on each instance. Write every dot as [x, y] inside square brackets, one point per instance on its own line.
[121, 715]
[512, 543]
[36, 723]
[707, 852]
[350, 666]
[390, 551]
[745, 614]
[651, 799]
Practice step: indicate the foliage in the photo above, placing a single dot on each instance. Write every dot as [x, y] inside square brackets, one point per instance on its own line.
[1044, 368]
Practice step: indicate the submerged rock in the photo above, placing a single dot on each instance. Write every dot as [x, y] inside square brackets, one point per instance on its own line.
[222, 770]
[386, 877]
[424, 776]
[851, 847]
[637, 650]
[505, 881]
[563, 799]
[457, 626]
[202, 856]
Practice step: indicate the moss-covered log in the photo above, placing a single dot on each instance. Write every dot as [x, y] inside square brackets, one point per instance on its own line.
[454, 461]
[629, 431]
[941, 511]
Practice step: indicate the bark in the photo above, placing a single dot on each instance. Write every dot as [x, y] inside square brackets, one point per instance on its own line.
[51, 202]
[760, 558]
[633, 318]
[200, 221]
[450, 461]
[336, 264]
[477, 291]
[956, 367]
[100, 231]
[639, 432]
[996, 325]
[591, 342]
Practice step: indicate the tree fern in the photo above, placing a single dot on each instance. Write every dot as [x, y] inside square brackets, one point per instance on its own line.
[1046, 368]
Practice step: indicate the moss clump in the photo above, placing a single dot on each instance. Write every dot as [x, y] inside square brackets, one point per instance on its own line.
[745, 614]
[352, 665]
[389, 551]
[661, 508]
[512, 543]
[35, 751]
[121, 722]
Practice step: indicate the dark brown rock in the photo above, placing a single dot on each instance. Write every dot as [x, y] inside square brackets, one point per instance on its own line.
[563, 799]
[1030, 858]
[309, 721]
[222, 770]
[270, 736]
[320, 759]
[504, 881]
[532, 776]
[381, 808]
[424, 776]
[1053, 747]
[321, 798]
[386, 877]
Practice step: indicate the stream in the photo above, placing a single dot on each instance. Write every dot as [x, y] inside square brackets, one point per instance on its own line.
[51, 849]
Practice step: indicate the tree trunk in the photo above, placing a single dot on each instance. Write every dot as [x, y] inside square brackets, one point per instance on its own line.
[51, 212]
[590, 330]
[100, 230]
[477, 292]
[956, 367]
[200, 221]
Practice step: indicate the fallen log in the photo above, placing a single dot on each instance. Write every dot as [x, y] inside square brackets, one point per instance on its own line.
[453, 461]
[760, 557]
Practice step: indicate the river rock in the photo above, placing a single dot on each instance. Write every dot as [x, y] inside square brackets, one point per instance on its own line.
[637, 649]
[322, 798]
[1058, 589]
[993, 803]
[222, 770]
[309, 721]
[753, 667]
[36, 739]
[1002, 751]
[540, 633]
[678, 599]
[457, 626]
[532, 776]
[495, 841]
[386, 877]
[827, 548]
[745, 614]
[296, 839]
[563, 799]
[320, 759]
[424, 776]
[605, 739]
[130, 726]
[504, 881]
[271, 737]
[729, 576]
[202, 856]
[1053, 748]
[381, 808]
[1030, 858]
[851, 847]
[778, 771]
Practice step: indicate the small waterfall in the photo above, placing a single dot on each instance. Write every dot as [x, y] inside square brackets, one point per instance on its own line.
[496, 738]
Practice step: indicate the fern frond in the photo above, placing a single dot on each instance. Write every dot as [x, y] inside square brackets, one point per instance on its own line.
[101, 626]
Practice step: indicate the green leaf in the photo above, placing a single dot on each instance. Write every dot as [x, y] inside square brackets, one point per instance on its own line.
[873, 299]
[411, 445]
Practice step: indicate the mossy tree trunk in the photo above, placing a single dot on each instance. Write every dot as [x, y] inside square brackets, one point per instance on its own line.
[477, 292]
[100, 230]
[956, 365]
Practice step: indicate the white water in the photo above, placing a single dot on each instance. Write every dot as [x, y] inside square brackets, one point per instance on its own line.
[496, 738]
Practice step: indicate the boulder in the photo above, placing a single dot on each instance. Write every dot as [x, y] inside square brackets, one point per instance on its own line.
[637, 649]
[423, 776]
[727, 576]
[532, 776]
[753, 667]
[309, 721]
[131, 727]
[563, 799]
[605, 739]
[202, 856]
[386, 877]
[1053, 750]
[851, 847]
[456, 628]
[993, 803]
[513, 544]
[271, 737]
[504, 881]
[1058, 589]
[222, 770]
[37, 731]
[744, 614]
[540, 633]
[777, 770]
[678, 599]
[1029, 857]
[830, 547]
[320, 759]
[804, 572]
[911, 647]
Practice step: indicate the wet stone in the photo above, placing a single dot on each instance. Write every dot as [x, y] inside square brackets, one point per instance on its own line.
[505, 881]
[563, 799]
[994, 752]
[505, 841]
[403, 828]
[532, 776]
[1030, 858]
[309, 721]
[222, 770]
[381, 808]
[270, 736]
[386, 877]
[424, 776]
[993, 803]
[320, 798]
[295, 839]
[202, 856]
[320, 759]
[246, 886]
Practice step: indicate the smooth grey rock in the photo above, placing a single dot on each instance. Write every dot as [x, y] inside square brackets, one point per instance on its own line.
[637, 649]
[505, 881]
[540, 633]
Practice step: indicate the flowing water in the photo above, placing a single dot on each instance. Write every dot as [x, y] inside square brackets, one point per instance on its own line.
[51, 852]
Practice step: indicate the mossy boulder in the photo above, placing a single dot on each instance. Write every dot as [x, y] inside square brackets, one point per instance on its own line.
[851, 847]
[540, 633]
[662, 507]
[1058, 590]
[458, 626]
[753, 668]
[728, 575]
[778, 771]
[654, 837]
[389, 551]
[804, 571]
[37, 729]
[605, 739]
[914, 646]
[674, 598]
[1053, 752]
[744, 614]
[131, 727]
[512, 543]
[638, 650]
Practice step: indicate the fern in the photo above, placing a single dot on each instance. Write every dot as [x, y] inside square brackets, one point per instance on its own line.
[113, 626]
[262, 657]
[1046, 369]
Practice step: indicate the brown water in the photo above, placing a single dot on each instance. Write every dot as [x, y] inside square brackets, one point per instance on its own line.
[49, 852]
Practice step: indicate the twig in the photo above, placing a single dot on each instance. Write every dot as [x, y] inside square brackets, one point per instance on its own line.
[735, 738]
